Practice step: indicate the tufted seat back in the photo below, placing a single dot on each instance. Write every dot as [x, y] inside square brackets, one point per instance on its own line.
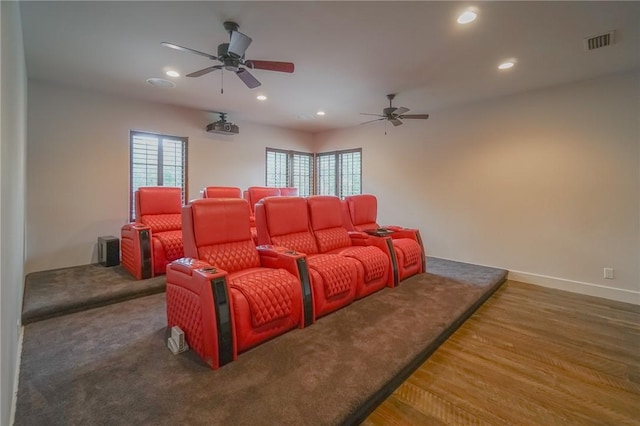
[222, 192]
[257, 193]
[362, 211]
[325, 214]
[159, 208]
[218, 233]
[283, 221]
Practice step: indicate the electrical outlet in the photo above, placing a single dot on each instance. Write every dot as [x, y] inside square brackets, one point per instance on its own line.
[608, 273]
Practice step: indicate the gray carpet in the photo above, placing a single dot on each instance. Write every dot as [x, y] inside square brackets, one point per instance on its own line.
[109, 365]
[62, 291]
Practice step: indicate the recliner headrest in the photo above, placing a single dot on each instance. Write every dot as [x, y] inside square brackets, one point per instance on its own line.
[158, 200]
[285, 215]
[362, 208]
[324, 212]
[222, 192]
[219, 220]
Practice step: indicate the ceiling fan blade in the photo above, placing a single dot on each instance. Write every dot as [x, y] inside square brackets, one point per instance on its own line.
[371, 121]
[186, 49]
[377, 115]
[401, 110]
[247, 78]
[270, 65]
[395, 122]
[422, 116]
[204, 71]
[238, 44]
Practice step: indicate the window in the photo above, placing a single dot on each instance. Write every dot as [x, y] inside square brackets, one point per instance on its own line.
[290, 168]
[302, 173]
[339, 173]
[157, 160]
[326, 174]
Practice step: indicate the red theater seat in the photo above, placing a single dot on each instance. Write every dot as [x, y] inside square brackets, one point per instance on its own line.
[221, 192]
[253, 194]
[155, 238]
[289, 192]
[229, 192]
[360, 212]
[284, 222]
[221, 295]
[373, 254]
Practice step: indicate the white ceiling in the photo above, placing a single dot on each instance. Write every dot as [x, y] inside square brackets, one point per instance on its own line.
[348, 55]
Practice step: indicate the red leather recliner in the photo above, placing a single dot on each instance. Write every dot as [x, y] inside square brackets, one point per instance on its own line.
[253, 194]
[283, 222]
[229, 192]
[221, 295]
[221, 192]
[360, 212]
[373, 254]
[155, 238]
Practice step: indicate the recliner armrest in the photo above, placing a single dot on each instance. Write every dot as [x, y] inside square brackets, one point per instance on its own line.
[135, 226]
[271, 251]
[136, 250]
[399, 232]
[198, 301]
[357, 236]
[296, 264]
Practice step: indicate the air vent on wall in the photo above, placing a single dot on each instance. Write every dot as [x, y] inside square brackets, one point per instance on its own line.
[598, 41]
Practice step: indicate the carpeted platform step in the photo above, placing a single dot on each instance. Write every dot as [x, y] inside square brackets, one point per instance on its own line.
[110, 365]
[48, 294]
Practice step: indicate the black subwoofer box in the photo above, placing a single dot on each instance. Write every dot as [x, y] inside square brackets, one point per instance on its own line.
[108, 251]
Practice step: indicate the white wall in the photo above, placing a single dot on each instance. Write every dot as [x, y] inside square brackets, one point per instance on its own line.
[12, 198]
[78, 165]
[544, 183]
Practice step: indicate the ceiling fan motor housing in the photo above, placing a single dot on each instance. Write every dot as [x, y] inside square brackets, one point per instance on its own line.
[230, 63]
[222, 49]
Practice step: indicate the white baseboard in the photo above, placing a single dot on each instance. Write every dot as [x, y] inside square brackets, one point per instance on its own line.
[618, 294]
[14, 398]
[611, 293]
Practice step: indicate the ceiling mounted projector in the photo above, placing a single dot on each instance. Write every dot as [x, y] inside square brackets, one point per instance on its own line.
[222, 126]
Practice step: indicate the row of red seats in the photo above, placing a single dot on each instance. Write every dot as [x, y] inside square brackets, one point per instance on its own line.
[253, 194]
[229, 295]
[155, 237]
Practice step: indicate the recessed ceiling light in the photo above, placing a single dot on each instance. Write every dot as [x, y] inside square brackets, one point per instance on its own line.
[172, 73]
[467, 17]
[320, 113]
[160, 82]
[506, 65]
[261, 97]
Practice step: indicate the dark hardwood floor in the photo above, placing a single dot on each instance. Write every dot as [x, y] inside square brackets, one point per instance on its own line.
[529, 356]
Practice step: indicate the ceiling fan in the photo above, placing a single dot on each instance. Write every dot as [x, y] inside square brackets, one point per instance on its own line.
[231, 55]
[394, 114]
